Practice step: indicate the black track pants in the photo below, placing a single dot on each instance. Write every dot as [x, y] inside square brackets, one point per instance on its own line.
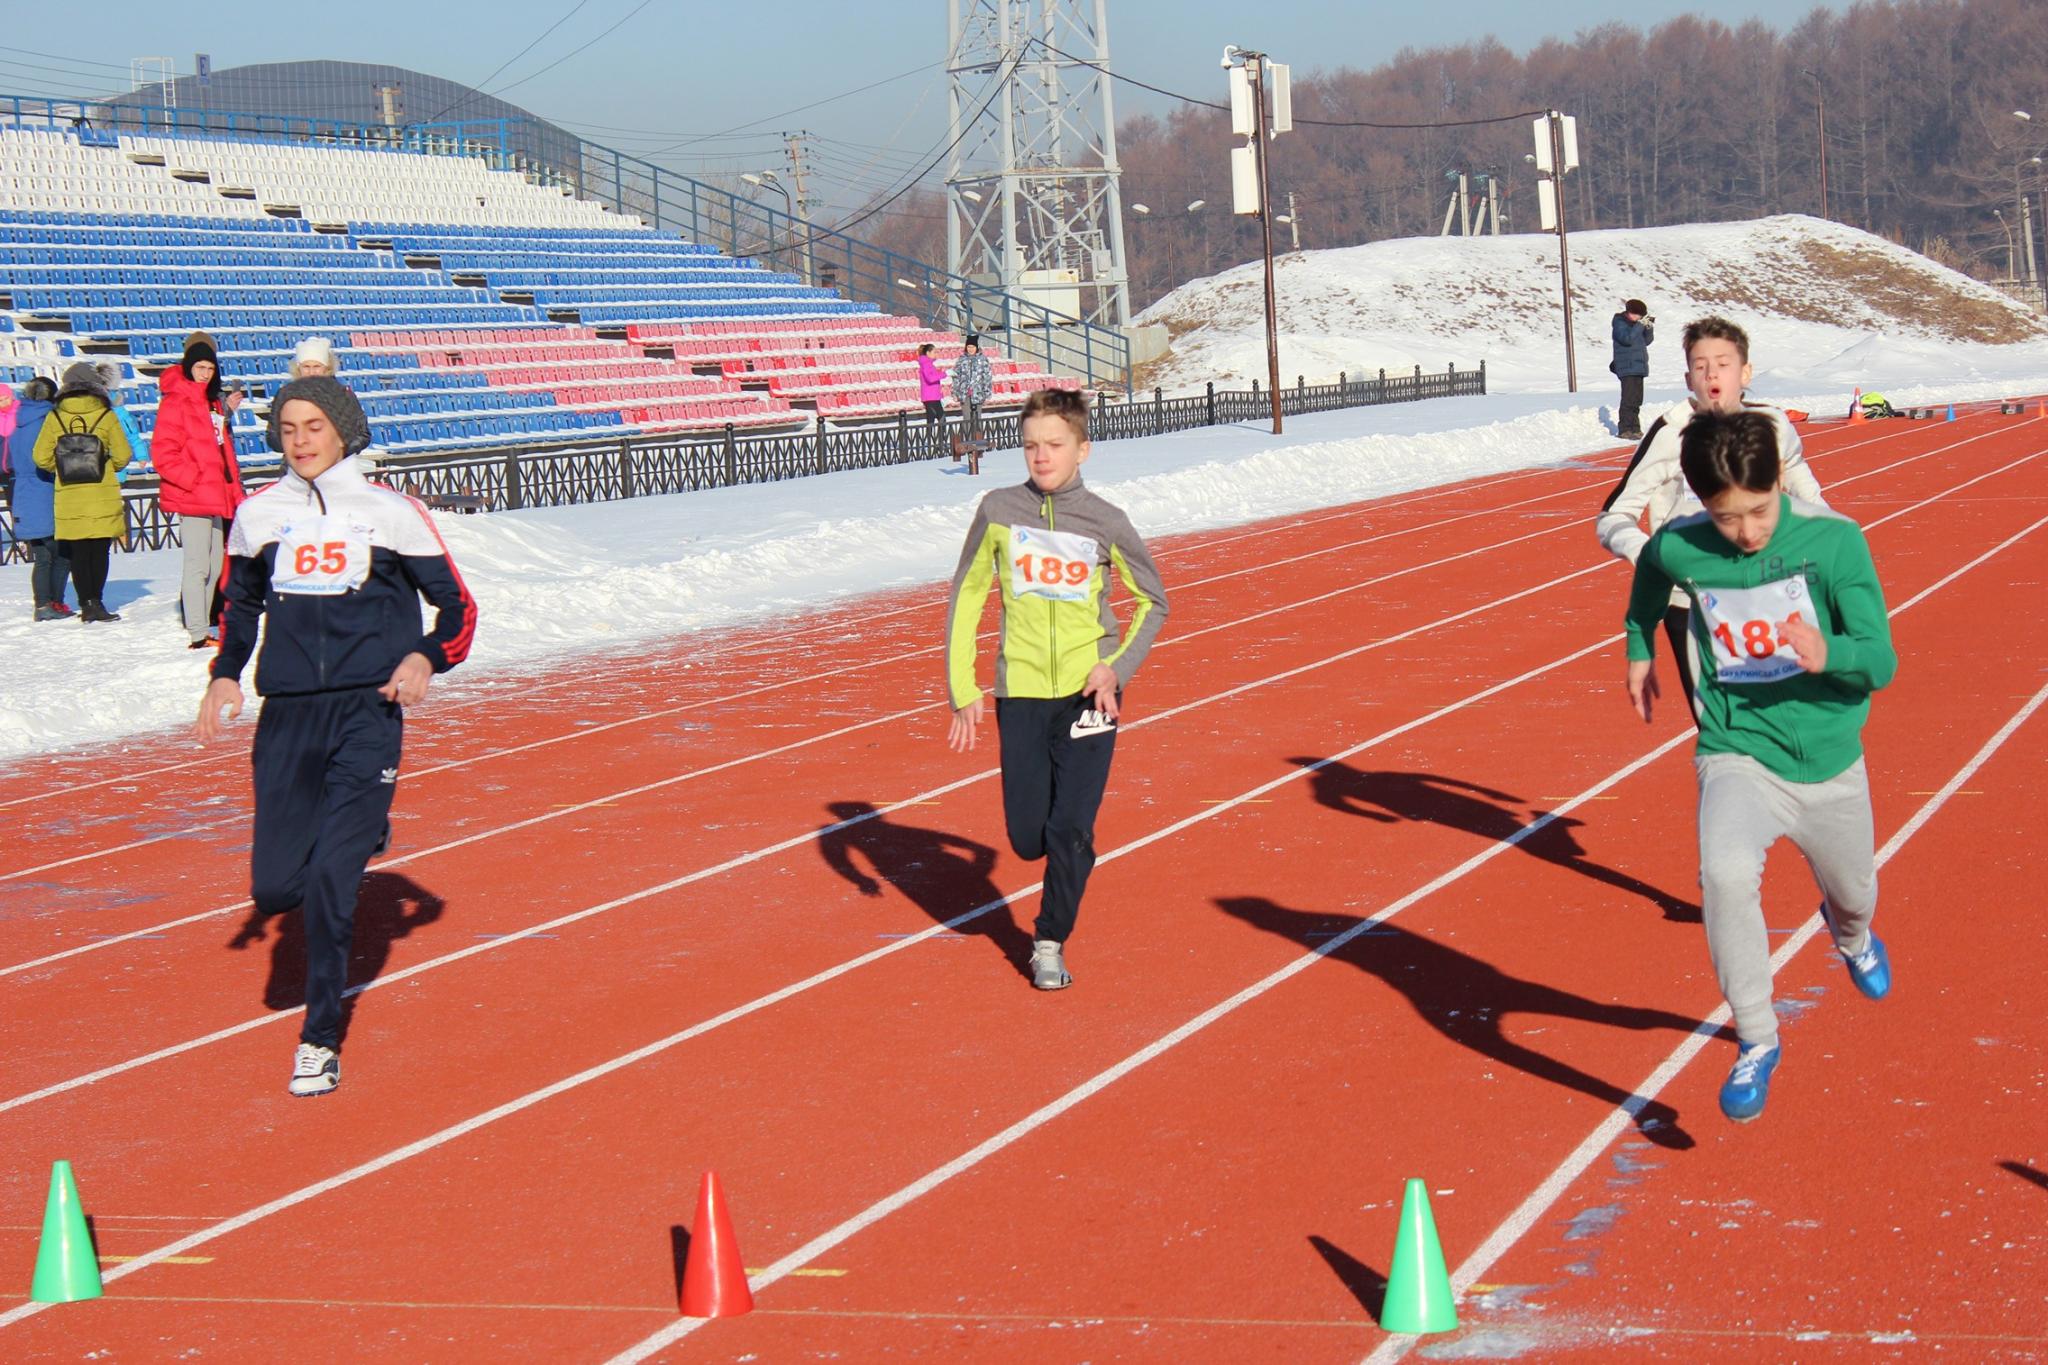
[1052, 787]
[326, 768]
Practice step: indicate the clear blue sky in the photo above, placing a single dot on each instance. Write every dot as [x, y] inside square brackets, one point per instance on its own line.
[678, 70]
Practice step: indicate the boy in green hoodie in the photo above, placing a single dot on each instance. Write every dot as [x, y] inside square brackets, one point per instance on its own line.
[1790, 636]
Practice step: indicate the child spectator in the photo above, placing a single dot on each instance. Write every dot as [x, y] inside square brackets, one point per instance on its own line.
[931, 387]
[973, 382]
[33, 499]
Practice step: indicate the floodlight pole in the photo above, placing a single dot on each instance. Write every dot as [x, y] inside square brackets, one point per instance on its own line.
[1257, 62]
[1564, 255]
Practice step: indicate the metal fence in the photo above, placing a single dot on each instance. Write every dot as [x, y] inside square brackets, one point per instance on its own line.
[560, 476]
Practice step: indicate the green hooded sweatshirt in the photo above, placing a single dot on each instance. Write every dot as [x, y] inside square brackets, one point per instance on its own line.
[1754, 698]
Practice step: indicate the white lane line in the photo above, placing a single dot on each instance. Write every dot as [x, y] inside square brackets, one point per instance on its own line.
[1173, 641]
[1555, 1185]
[1519, 1223]
[603, 1069]
[753, 856]
[784, 1268]
[845, 626]
[1102, 1080]
[233, 1030]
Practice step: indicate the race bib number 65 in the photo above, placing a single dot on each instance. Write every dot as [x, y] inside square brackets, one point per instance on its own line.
[1054, 564]
[1747, 626]
[321, 557]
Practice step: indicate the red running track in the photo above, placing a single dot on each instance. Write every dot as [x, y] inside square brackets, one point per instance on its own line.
[1392, 884]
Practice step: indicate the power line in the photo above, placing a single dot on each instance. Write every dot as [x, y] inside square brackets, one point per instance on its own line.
[1312, 122]
[573, 51]
[477, 89]
[755, 123]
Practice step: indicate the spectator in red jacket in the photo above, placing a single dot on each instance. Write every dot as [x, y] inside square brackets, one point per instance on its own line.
[193, 450]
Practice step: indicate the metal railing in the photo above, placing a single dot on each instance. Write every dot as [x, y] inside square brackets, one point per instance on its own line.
[558, 476]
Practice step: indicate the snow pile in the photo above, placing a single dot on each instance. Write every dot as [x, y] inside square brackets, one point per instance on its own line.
[1820, 301]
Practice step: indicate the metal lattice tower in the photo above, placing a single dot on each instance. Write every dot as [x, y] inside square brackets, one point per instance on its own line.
[1032, 198]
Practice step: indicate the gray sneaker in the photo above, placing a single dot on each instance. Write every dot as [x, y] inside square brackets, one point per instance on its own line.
[1049, 966]
[315, 1070]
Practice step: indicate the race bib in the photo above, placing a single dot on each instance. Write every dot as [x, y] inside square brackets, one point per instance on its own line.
[322, 556]
[1747, 629]
[1054, 564]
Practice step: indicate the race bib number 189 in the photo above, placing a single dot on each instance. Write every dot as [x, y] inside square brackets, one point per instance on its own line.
[321, 557]
[1054, 564]
[1747, 627]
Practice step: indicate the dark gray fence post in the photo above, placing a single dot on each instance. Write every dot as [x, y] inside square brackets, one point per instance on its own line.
[821, 444]
[732, 458]
[902, 438]
[625, 469]
[1159, 412]
[1212, 404]
[1482, 376]
[513, 500]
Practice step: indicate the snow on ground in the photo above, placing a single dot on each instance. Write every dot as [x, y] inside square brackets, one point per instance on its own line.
[560, 584]
[1817, 298]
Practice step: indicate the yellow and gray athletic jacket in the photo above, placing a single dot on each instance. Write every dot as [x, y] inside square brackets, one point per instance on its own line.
[1052, 553]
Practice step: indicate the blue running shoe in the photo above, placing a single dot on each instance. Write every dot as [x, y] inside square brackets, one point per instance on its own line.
[1749, 1084]
[1871, 969]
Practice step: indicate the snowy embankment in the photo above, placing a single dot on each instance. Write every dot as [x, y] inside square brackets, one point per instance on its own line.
[1826, 307]
[555, 586]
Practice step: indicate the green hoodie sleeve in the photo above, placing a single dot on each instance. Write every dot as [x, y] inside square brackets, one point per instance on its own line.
[1860, 651]
[1647, 599]
[971, 580]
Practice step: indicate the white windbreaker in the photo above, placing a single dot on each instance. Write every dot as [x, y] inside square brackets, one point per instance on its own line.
[1655, 484]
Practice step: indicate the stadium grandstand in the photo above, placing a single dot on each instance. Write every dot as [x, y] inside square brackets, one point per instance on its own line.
[475, 300]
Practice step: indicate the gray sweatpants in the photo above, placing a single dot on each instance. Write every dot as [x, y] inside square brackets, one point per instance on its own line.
[206, 541]
[1744, 809]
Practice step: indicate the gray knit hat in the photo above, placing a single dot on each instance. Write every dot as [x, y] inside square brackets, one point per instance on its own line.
[83, 377]
[332, 397]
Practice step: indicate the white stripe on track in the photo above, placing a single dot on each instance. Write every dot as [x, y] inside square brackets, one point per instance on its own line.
[744, 859]
[1519, 1223]
[1555, 1185]
[497, 694]
[847, 1229]
[759, 1003]
[113, 939]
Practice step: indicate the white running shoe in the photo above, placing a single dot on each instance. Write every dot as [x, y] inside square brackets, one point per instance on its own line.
[315, 1070]
[1049, 966]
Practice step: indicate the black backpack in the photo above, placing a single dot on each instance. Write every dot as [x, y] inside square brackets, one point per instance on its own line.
[81, 455]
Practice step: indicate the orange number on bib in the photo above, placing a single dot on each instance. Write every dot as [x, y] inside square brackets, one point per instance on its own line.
[331, 558]
[1077, 572]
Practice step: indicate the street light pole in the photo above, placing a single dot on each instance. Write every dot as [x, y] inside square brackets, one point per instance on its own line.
[2010, 260]
[1820, 94]
[1256, 61]
[769, 179]
[2025, 224]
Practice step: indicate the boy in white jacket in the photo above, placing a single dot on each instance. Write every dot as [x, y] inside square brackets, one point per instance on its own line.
[1717, 371]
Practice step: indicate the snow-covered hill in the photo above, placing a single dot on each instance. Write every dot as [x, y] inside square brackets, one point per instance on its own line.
[1822, 303]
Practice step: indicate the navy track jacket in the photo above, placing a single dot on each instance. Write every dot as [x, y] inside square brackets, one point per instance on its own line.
[339, 566]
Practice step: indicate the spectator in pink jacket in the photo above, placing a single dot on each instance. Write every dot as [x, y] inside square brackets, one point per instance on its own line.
[931, 387]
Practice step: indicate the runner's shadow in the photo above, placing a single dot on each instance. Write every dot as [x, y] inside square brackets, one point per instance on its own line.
[389, 906]
[1367, 1285]
[1430, 798]
[1465, 999]
[2026, 1172]
[942, 874]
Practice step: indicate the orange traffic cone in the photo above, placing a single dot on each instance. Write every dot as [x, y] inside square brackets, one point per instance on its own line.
[714, 1278]
[1856, 411]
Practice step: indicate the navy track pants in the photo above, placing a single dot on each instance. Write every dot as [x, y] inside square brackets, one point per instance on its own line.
[1052, 787]
[326, 769]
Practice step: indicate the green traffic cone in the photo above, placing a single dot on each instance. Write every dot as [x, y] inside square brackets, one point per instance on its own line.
[67, 1268]
[1418, 1286]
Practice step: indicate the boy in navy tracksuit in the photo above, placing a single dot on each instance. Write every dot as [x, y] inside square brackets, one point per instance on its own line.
[338, 565]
